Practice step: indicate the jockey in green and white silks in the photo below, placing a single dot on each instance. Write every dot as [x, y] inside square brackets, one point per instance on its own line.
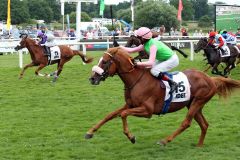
[161, 57]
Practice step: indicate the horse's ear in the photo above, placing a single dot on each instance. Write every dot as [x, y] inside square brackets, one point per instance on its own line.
[115, 43]
[113, 50]
[23, 36]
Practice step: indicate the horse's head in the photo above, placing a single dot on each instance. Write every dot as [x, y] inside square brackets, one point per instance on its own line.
[202, 44]
[22, 42]
[133, 40]
[114, 61]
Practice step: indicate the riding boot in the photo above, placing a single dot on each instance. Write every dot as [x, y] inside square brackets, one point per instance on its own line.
[173, 85]
[223, 52]
[46, 50]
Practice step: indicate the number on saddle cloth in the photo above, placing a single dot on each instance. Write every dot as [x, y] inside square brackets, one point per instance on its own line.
[181, 94]
[225, 51]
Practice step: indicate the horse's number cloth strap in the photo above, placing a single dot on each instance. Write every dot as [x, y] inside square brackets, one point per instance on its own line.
[55, 53]
[182, 93]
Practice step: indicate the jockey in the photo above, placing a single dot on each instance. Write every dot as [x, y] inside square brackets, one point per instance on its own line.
[43, 39]
[217, 40]
[230, 39]
[161, 57]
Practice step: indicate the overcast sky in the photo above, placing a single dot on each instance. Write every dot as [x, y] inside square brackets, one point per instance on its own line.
[229, 2]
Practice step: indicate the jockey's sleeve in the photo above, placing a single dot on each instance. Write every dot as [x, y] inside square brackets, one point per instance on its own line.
[221, 42]
[152, 57]
[210, 41]
[132, 50]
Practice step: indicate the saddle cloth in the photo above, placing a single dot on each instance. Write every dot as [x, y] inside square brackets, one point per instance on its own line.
[226, 51]
[55, 53]
[182, 93]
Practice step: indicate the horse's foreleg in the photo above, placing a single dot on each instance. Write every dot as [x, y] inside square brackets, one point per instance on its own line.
[102, 122]
[205, 70]
[204, 126]
[215, 69]
[24, 68]
[40, 67]
[139, 112]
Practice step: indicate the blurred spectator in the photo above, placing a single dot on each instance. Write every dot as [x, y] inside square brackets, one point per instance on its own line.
[171, 33]
[184, 32]
[196, 34]
[200, 33]
[89, 34]
[162, 30]
[72, 34]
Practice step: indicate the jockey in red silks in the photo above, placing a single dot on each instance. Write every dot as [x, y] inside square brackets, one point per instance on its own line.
[217, 40]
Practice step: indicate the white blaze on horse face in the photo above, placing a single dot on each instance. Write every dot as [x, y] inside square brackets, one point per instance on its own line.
[100, 60]
[97, 70]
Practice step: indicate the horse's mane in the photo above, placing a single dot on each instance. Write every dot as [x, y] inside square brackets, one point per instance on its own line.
[118, 50]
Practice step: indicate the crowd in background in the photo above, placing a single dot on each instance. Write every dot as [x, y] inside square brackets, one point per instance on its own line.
[99, 34]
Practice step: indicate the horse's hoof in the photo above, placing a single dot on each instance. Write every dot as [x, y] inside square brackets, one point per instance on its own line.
[88, 136]
[133, 139]
[162, 143]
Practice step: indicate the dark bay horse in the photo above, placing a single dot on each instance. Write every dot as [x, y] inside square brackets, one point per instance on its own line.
[214, 58]
[41, 60]
[144, 96]
[133, 40]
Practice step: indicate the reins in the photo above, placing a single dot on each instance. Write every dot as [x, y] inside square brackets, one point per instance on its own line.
[138, 79]
[126, 72]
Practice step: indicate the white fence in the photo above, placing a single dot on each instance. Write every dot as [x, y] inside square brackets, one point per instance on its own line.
[7, 46]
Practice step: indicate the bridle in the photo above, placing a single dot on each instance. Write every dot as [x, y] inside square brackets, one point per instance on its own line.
[207, 44]
[109, 62]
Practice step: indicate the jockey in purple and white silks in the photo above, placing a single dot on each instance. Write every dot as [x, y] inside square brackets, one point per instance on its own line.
[161, 57]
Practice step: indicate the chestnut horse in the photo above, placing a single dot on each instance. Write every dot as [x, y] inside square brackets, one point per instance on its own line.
[133, 40]
[214, 59]
[144, 96]
[41, 60]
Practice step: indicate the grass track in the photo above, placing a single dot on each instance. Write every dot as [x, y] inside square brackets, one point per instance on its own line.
[39, 120]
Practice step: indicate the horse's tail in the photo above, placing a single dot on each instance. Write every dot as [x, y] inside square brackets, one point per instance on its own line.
[225, 86]
[180, 51]
[84, 57]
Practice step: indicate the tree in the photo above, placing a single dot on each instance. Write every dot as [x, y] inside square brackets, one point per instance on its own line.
[205, 21]
[84, 17]
[200, 7]
[19, 11]
[39, 9]
[153, 14]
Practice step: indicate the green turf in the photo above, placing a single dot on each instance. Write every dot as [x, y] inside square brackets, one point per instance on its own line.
[228, 22]
[42, 121]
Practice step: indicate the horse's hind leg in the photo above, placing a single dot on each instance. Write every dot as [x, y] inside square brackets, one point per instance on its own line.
[59, 69]
[24, 68]
[194, 108]
[204, 126]
[102, 122]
